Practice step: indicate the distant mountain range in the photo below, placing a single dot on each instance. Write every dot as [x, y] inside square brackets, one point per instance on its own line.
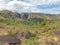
[10, 14]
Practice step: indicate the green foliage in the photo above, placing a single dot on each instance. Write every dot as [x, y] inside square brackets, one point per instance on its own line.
[38, 27]
[31, 41]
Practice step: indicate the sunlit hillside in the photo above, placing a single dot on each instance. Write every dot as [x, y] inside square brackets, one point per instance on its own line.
[32, 28]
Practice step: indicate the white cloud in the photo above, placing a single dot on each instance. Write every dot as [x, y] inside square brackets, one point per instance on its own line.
[15, 5]
[29, 6]
[41, 2]
[2, 4]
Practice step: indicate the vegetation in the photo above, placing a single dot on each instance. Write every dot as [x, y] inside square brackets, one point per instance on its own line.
[40, 29]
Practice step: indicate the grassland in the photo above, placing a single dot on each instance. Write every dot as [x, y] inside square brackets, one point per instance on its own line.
[41, 31]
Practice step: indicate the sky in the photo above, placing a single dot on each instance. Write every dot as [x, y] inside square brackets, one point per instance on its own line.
[31, 6]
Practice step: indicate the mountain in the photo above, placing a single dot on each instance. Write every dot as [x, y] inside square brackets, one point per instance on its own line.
[31, 28]
[10, 14]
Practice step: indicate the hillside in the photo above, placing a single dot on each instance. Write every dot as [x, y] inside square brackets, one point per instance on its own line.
[10, 14]
[31, 28]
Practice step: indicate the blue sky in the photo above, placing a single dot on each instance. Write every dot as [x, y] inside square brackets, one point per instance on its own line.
[31, 6]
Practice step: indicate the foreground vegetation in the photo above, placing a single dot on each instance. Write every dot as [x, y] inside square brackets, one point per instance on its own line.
[36, 31]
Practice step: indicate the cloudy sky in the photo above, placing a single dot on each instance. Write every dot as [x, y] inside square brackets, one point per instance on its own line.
[35, 6]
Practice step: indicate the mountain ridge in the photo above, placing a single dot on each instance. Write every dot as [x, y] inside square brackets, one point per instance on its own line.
[10, 14]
